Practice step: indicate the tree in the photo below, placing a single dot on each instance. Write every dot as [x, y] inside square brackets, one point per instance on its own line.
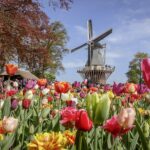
[134, 73]
[25, 32]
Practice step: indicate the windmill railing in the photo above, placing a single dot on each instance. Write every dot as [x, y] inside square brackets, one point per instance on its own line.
[106, 68]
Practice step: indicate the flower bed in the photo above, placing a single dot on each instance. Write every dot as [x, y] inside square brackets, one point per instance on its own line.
[59, 115]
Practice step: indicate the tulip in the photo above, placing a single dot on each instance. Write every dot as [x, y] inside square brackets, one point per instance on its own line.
[36, 86]
[145, 67]
[30, 84]
[98, 107]
[11, 92]
[26, 103]
[126, 117]
[44, 101]
[62, 87]
[28, 94]
[65, 96]
[42, 82]
[15, 84]
[131, 88]
[14, 103]
[9, 124]
[118, 88]
[121, 123]
[11, 69]
[83, 122]
[68, 116]
[45, 91]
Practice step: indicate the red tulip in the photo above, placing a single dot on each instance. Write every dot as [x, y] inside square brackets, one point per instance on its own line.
[62, 87]
[121, 123]
[82, 121]
[112, 125]
[131, 88]
[68, 116]
[42, 82]
[11, 69]
[26, 103]
[145, 66]
[11, 92]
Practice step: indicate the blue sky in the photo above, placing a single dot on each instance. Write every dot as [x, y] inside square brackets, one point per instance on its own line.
[130, 20]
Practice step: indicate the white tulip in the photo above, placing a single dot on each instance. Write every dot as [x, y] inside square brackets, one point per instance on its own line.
[29, 94]
[45, 91]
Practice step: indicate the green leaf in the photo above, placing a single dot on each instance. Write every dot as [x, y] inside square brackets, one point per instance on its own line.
[109, 141]
[6, 107]
[8, 142]
[134, 142]
[142, 137]
[45, 112]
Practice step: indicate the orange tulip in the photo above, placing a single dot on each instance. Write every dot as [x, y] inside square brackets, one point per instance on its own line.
[62, 87]
[42, 82]
[11, 69]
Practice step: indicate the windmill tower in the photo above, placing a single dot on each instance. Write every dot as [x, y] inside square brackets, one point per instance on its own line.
[95, 69]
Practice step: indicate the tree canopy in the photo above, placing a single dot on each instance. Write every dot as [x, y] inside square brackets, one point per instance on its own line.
[28, 38]
[134, 73]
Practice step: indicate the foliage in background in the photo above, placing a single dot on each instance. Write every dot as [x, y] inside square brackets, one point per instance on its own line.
[28, 38]
[134, 72]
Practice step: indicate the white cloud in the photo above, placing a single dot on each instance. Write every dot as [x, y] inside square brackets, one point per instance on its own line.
[131, 31]
[81, 30]
[73, 64]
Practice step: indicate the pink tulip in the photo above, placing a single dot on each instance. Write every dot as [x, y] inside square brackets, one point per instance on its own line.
[68, 116]
[126, 117]
[145, 66]
[121, 123]
[9, 124]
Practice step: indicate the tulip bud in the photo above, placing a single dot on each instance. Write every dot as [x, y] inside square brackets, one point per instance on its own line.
[45, 112]
[26, 103]
[98, 108]
[14, 103]
[147, 97]
[1, 104]
[31, 129]
[146, 129]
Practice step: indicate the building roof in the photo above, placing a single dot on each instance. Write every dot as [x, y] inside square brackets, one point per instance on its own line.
[24, 74]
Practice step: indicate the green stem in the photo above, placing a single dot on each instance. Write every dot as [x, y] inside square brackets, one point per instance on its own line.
[95, 138]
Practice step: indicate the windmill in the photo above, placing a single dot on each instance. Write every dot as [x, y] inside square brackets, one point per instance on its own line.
[95, 69]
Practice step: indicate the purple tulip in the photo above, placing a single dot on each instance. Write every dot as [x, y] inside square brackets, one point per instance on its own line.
[30, 84]
[107, 87]
[76, 84]
[14, 103]
[142, 89]
[118, 88]
[82, 95]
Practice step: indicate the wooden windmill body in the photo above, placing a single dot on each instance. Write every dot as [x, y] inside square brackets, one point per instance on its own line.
[95, 69]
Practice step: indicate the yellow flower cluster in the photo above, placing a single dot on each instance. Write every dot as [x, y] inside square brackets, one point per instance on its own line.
[52, 141]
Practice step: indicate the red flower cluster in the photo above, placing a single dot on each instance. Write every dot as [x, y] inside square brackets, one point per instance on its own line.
[62, 87]
[70, 117]
[11, 92]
